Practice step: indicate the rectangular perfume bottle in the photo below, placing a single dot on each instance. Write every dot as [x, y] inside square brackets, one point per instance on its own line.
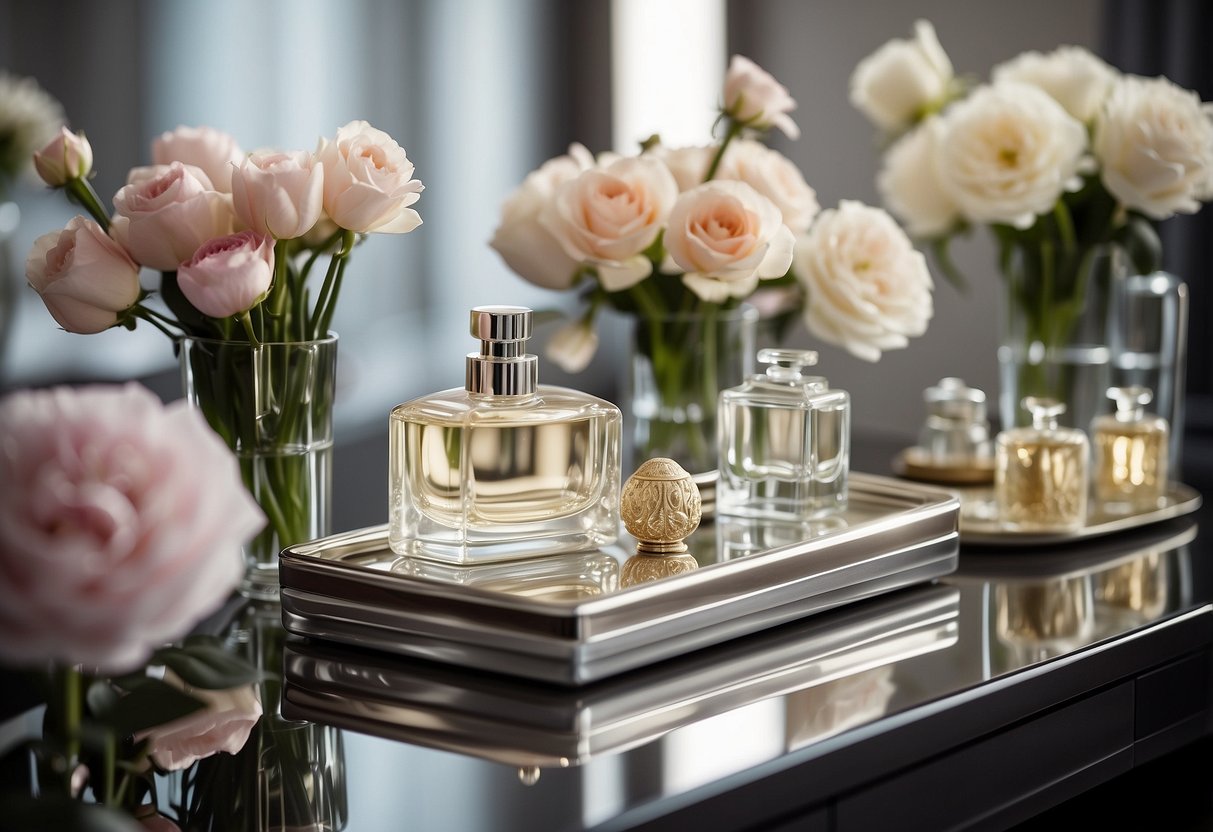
[784, 440]
[1131, 453]
[503, 468]
[1040, 472]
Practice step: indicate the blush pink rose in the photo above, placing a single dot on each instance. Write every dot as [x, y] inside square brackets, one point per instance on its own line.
[223, 725]
[754, 97]
[279, 194]
[163, 218]
[214, 151]
[121, 522]
[228, 275]
[368, 181]
[86, 280]
[66, 157]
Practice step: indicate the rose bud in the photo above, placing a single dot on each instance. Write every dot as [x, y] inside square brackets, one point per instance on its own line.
[86, 280]
[66, 157]
[228, 275]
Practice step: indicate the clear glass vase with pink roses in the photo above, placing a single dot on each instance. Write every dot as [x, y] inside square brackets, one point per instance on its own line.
[238, 240]
[686, 240]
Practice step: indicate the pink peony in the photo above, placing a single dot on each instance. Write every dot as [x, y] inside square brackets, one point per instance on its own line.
[368, 181]
[121, 522]
[214, 151]
[228, 275]
[223, 725]
[85, 279]
[164, 213]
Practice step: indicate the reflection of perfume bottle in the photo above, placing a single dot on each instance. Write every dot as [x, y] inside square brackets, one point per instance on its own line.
[503, 468]
[784, 439]
[1130, 453]
[1041, 620]
[1040, 475]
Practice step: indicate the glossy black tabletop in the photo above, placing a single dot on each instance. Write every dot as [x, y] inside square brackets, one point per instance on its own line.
[827, 720]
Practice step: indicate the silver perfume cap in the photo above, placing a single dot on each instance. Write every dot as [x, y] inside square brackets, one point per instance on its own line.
[502, 367]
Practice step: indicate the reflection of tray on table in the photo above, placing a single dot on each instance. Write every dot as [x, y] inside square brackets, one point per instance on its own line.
[523, 723]
[565, 619]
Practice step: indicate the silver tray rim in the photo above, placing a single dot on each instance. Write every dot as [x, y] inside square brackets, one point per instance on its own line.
[1185, 500]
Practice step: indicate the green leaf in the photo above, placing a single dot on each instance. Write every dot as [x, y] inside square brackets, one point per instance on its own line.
[60, 813]
[151, 704]
[208, 666]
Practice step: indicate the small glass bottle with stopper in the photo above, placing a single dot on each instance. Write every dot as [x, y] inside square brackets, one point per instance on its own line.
[1040, 473]
[1131, 458]
[784, 442]
[503, 467]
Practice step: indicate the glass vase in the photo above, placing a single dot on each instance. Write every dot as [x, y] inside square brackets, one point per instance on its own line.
[679, 365]
[1055, 332]
[273, 406]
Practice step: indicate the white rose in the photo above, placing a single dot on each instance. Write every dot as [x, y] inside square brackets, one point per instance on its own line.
[1154, 142]
[527, 247]
[726, 237]
[1077, 79]
[572, 346]
[902, 79]
[1010, 152]
[774, 176]
[689, 165]
[910, 182]
[609, 216]
[869, 290]
[753, 96]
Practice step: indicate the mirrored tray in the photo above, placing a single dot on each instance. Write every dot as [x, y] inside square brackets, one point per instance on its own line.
[831, 658]
[569, 619]
[979, 522]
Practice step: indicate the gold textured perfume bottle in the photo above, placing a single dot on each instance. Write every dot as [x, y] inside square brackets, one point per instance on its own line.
[503, 467]
[1040, 474]
[1131, 457]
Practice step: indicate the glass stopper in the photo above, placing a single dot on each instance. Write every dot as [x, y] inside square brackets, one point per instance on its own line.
[786, 364]
[953, 399]
[1044, 412]
[1130, 401]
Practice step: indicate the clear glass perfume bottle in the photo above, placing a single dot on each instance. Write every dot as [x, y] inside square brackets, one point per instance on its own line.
[503, 468]
[1040, 472]
[1131, 453]
[784, 442]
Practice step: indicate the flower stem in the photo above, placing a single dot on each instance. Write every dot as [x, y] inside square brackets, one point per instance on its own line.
[70, 686]
[144, 314]
[328, 291]
[733, 131]
[82, 192]
[247, 322]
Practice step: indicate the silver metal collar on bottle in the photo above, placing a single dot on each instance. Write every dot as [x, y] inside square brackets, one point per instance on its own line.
[502, 367]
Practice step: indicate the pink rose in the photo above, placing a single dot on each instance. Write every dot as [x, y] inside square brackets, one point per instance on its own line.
[752, 96]
[368, 181]
[278, 194]
[228, 275]
[66, 157]
[121, 522]
[223, 725]
[86, 280]
[726, 237]
[214, 151]
[163, 219]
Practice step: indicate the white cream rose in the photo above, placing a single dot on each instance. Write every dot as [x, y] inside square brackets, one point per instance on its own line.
[608, 217]
[689, 165]
[572, 347]
[524, 244]
[869, 289]
[1077, 79]
[902, 79]
[774, 176]
[725, 237]
[753, 97]
[1011, 152]
[910, 183]
[1154, 142]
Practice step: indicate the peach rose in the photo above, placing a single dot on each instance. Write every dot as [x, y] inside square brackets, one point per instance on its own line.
[163, 218]
[608, 217]
[774, 176]
[86, 280]
[223, 725]
[368, 181]
[753, 96]
[121, 522]
[211, 150]
[228, 275]
[726, 237]
[278, 194]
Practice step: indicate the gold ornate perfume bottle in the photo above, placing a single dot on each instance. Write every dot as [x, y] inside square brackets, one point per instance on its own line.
[1130, 453]
[1040, 475]
[503, 467]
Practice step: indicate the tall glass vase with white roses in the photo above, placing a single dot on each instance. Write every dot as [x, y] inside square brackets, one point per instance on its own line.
[1069, 163]
[680, 238]
[237, 239]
